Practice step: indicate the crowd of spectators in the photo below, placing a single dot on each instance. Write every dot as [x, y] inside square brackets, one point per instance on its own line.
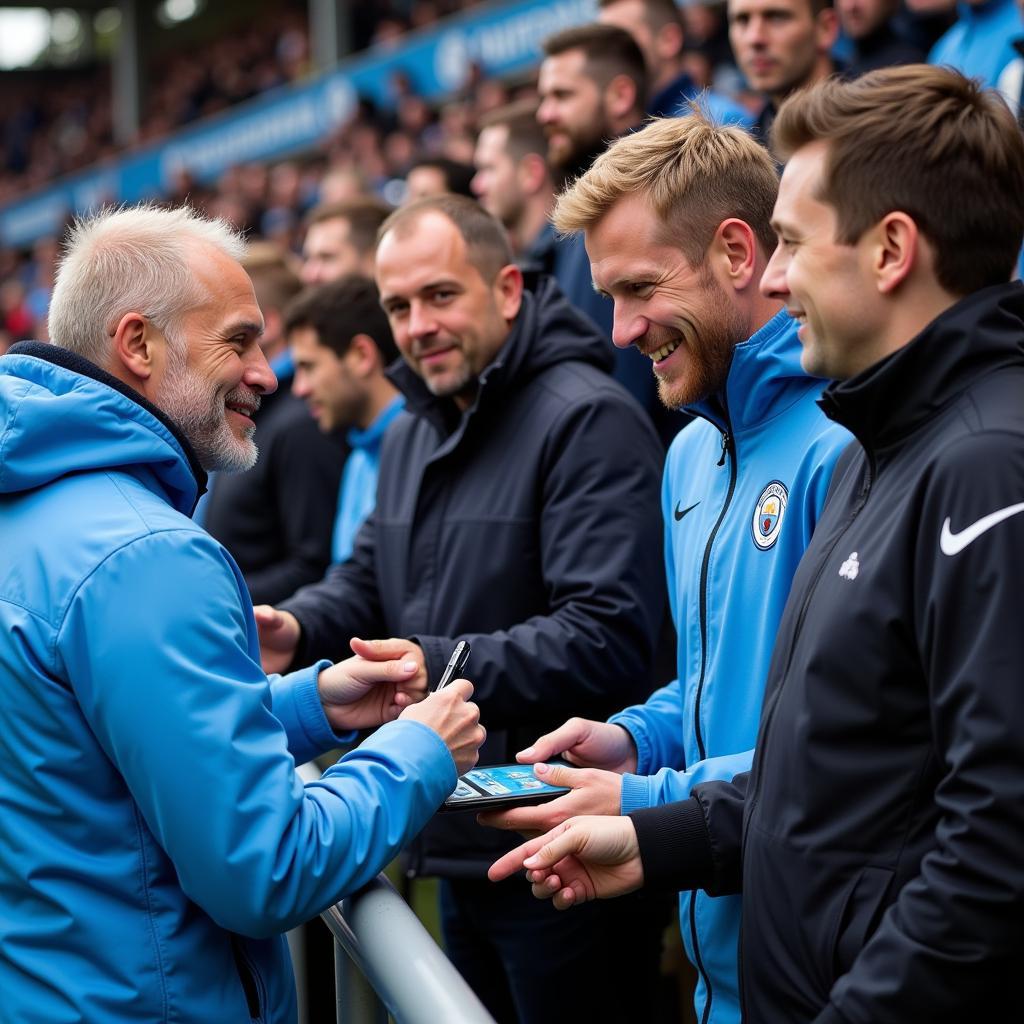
[49, 132]
[388, 156]
[66, 125]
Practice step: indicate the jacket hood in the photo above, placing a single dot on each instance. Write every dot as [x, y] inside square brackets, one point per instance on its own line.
[61, 414]
[763, 369]
[979, 334]
[547, 330]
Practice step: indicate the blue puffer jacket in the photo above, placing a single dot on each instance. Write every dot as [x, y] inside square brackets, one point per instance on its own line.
[743, 487]
[156, 838]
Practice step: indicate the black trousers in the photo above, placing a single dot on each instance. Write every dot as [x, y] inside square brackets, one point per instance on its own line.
[532, 964]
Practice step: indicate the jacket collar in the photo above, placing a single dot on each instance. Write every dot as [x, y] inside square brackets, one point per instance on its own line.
[370, 438]
[442, 411]
[763, 367]
[69, 360]
[981, 333]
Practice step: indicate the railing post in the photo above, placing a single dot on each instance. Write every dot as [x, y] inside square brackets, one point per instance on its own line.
[356, 1000]
[381, 947]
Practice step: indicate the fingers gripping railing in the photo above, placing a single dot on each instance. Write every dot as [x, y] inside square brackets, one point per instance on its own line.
[386, 961]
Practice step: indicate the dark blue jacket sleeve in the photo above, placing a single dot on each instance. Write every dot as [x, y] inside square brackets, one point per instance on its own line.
[695, 843]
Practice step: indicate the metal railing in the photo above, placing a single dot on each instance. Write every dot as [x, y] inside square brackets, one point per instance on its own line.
[386, 961]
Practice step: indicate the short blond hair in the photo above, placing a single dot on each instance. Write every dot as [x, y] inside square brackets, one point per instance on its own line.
[693, 172]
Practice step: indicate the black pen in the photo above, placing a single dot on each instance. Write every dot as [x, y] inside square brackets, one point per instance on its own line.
[456, 663]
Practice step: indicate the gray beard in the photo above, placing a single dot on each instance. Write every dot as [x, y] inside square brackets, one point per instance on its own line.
[191, 405]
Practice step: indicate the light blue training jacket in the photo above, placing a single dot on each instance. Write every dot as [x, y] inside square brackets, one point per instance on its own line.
[743, 487]
[156, 839]
[980, 42]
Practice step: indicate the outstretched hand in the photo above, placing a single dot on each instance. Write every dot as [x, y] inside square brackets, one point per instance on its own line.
[580, 860]
[279, 634]
[586, 743]
[375, 686]
[593, 792]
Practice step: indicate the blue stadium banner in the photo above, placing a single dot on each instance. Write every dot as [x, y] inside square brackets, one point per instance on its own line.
[502, 38]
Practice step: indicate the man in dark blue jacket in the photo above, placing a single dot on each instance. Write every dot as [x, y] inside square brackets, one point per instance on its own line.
[518, 509]
[877, 837]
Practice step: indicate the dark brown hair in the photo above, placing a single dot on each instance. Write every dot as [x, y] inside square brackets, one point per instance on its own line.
[525, 135]
[608, 51]
[457, 175]
[341, 309]
[656, 13]
[925, 141]
[364, 217]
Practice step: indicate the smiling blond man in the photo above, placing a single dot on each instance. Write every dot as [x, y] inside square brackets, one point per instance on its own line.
[877, 838]
[676, 220]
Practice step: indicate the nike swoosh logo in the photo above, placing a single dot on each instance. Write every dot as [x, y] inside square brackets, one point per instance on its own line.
[953, 543]
[680, 512]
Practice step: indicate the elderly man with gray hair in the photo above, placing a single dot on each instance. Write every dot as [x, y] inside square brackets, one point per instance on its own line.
[158, 841]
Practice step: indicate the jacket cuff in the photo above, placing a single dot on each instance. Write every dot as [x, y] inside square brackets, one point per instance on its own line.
[636, 793]
[435, 657]
[297, 706]
[418, 746]
[675, 848]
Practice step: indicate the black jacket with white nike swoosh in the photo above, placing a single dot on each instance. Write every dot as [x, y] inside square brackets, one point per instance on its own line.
[882, 823]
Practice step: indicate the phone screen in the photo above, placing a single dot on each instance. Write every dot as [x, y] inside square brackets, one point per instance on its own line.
[500, 783]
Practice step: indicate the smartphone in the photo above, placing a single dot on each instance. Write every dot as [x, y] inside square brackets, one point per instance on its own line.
[503, 785]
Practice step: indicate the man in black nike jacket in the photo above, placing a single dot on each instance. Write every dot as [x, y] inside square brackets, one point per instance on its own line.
[877, 838]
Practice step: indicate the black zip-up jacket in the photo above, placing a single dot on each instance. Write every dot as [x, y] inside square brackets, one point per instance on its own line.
[882, 822]
[531, 527]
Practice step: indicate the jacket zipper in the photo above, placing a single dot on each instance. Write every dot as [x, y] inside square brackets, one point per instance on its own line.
[728, 448]
[698, 962]
[769, 710]
[252, 984]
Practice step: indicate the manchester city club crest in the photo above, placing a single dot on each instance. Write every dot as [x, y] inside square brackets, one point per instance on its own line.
[769, 513]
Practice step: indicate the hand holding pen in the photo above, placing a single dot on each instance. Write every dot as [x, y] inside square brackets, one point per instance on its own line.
[451, 714]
